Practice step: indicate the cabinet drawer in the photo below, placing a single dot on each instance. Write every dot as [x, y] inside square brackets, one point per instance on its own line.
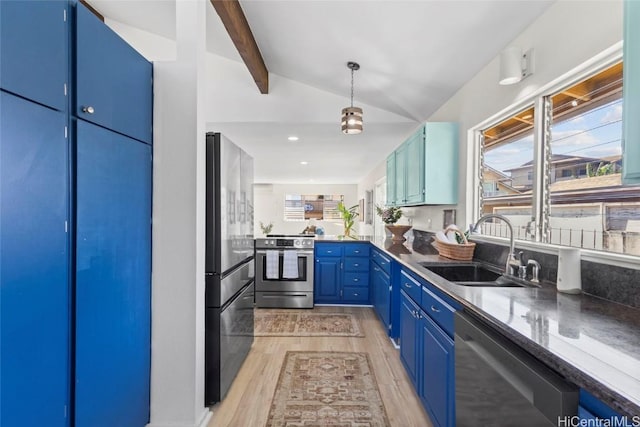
[356, 279]
[438, 310]
[328, 250]
[356, 294]
[382, 261]
[356, 250]
[411, 286]
[356, 264]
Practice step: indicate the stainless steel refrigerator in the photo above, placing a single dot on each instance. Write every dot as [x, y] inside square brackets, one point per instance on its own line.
[229, 264]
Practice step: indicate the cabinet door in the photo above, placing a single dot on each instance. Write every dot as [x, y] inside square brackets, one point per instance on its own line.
[381, 294]
[112, 79]
[408, 337]
[401, 173]
[113, 282]
[391, 179]
[34, 54]
[327, 279]
[415, 168]
[631, 97]
[34, 298]
[437, 390]
[441, 163]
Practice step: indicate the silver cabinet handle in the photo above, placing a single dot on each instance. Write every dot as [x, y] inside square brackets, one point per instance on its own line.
[355, 295]
[356, 252]
[329, 252]
[88, 110]
[355, 265]
[435, 309]
[376, 269]
[408, 286]
[356, 280]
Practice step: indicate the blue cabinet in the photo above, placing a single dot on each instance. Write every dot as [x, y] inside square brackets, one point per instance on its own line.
[327, 284]
[391, 180]
[341, 273]
[427, 346]
[409, 338]
[113, 81]
[113, 278]
[424, 169]
[631, 95]
[596, 411]
[381, 287]
[437, 372]
[34, 298]
[34, 51]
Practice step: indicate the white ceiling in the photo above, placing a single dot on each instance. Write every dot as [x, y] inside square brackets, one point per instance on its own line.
[414, 55]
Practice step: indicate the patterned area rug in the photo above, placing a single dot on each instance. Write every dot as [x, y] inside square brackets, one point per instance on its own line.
[289, 323]
[327, 389]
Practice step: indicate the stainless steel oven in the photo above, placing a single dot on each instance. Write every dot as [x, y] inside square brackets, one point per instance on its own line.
[284, 272]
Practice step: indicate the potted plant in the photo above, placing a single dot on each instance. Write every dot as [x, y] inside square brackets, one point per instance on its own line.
[348, 218]
[266, 229]
[390, 215]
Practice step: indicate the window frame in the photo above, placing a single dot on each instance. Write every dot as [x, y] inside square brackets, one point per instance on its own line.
[540, 200]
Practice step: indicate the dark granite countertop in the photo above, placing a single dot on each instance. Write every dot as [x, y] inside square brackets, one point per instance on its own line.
[592, 342]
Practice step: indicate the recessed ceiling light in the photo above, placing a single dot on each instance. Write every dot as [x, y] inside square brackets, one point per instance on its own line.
[304, 163]
[574, 103]
[293, 138]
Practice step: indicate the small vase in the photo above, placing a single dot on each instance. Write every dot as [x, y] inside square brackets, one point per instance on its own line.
[397, 232]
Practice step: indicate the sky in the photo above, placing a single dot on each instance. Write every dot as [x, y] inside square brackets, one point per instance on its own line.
[596, 133]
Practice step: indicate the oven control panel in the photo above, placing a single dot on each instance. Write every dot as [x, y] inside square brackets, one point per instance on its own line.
[285, 243]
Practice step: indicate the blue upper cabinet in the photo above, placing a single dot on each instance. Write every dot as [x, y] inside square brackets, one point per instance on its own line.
[424, 169]
[113, 81]
[34, 291]
[414, 174]
[441, 163]
[631, 97]
[391, 179]
[34, 54]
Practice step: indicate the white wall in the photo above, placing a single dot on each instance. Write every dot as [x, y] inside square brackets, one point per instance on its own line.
[568, 34]
[269, 205]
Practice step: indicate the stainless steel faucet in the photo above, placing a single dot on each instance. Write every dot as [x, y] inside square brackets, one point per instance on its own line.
[513, 263]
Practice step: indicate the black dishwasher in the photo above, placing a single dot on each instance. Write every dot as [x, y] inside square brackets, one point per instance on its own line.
[499, 384]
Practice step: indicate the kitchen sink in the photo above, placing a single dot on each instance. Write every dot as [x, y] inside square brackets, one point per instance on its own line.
[473, 274]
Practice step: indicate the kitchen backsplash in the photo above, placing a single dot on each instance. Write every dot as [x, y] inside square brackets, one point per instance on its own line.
[610, 282]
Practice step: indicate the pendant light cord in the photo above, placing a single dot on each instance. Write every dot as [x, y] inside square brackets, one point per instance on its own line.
[351, 87]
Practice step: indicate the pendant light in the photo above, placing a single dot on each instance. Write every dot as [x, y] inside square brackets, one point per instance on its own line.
[352, 116]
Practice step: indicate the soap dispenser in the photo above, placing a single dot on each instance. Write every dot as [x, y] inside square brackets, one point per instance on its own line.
[569, 278]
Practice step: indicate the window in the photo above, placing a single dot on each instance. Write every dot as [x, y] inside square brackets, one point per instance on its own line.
[577, 199]
[506, 172]
[299, 207]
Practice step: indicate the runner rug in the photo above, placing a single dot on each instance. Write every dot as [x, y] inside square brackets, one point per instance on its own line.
[327, 389]
[288, 323]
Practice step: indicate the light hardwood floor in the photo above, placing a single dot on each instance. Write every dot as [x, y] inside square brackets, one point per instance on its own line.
[248, 401]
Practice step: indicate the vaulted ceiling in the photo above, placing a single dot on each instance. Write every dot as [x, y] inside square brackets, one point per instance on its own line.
[414, 55]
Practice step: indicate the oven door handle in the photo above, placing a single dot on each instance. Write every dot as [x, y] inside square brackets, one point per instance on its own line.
[280, 251]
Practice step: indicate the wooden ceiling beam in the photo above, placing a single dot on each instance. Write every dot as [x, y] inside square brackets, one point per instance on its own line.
[237, 26]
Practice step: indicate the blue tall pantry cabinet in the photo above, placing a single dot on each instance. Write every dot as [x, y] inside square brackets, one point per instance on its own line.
[75, 220]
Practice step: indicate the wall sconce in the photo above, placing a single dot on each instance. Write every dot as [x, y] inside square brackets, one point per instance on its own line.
[514, 65]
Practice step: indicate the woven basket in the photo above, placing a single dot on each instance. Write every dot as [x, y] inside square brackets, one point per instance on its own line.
[460, 252]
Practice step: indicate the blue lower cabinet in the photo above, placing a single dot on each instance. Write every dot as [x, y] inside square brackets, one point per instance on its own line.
[593, 410]
[427, 348]
[409, 337]
[341, 274]
[34, 285]
[381, 294]
[327, 284]
[437, 373]
[113, 279]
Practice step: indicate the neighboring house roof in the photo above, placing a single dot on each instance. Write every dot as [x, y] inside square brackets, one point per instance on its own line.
[612, 180]
[558, 159]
